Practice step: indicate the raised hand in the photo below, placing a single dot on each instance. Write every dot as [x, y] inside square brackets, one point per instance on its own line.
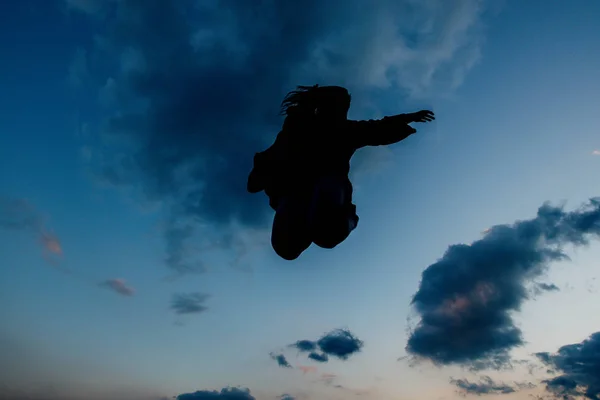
[422, 116]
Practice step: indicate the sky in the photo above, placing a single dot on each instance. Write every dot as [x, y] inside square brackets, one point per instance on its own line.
[134, 266]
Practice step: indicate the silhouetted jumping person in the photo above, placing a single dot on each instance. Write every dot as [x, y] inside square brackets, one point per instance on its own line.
[305, 171]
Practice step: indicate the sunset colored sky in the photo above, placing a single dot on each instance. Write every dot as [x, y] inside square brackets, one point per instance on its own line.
[134, 265]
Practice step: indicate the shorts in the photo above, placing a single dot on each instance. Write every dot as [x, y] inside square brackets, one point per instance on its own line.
[324, 216]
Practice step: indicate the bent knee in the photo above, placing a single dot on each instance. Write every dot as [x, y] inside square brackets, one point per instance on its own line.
[287, 255]
[328, 243]
[288, 249]
[330, 232]
[330, 236]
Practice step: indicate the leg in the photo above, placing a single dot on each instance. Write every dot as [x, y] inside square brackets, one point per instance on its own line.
[290, 235]
[333, 216]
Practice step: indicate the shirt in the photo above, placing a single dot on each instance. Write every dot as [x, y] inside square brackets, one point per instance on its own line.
[308, 148]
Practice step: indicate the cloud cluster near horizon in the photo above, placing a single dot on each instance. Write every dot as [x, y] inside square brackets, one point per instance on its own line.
[577, 369]
[229, 393]
[466, 300]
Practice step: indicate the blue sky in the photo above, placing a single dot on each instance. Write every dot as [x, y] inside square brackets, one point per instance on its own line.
[110, 108]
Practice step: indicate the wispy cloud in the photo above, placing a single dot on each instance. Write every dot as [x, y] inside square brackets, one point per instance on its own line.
[331, 380]
[328, 378]
[307, 369]
[421, 48]
[540, 288]
[596, 152]
[20, 215]
[119, 286]
[318, 357]
[467, 298]
[281, 360]
[177, 253]
[486, 385]
[189, 303]
[51, 243]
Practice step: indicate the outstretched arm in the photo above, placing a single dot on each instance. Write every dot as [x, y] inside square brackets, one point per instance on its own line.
[387, 130]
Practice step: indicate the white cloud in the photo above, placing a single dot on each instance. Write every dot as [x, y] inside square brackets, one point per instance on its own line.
[419, 47]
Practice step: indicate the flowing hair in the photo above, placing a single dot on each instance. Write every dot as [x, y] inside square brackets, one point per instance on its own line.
[306, 99]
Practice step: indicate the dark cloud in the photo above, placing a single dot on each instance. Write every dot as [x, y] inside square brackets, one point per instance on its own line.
[305, 345]
[486, 385]
[549, 287]
[339, 343]
[195, 86]
[190, 303]
[318, 357]
[466, 299]
[281, 360]
[286, 396]
[579, 368]
[177, 254]
[119, 286]
[231, 393]
[540, 288]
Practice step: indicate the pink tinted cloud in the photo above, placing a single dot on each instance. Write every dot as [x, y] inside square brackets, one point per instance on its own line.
[51, 243]
[596, 152]
[328, 378]
[20, 215]
[462, 305]
[119, 286]
[52, 250]
[307, 369]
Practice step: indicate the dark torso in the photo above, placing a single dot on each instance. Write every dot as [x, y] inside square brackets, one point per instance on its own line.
[307, 150]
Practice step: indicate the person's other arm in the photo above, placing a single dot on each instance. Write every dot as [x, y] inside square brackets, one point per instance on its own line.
[386, 131]
[263, 164]
[256, 181]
